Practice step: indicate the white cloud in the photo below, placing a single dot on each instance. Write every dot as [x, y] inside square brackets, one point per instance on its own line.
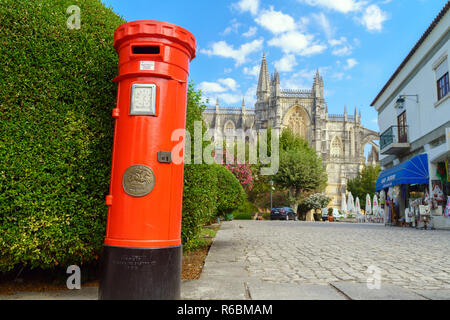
[373, 18]
[250, 97]
[211, 87]
[222, 85]
[343, 51]
[324, 23]
[251, 6]
[286, 64]
[276, 21]
[338, 42]
[229, 98]
[351, 63]
[253, 71]
[341, 47]
[233, 27]
[344, 6]
[250, 33]
[298, 43]
[303, 79]
[223, 49]
[230, 83]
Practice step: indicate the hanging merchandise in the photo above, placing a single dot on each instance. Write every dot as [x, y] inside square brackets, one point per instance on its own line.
[437, 193]
[441, 171]
[396, 192]
[446, 170]
[426, 200]
[447, 208]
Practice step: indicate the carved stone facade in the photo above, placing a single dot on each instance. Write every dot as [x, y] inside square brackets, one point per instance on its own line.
[339, 139]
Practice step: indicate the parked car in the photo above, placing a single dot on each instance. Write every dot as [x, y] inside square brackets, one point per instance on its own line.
[284, 213]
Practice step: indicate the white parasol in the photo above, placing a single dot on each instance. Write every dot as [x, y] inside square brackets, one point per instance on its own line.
[368, 205]
[375, 208]
[357, 205]
[350, 203]
[344, 204]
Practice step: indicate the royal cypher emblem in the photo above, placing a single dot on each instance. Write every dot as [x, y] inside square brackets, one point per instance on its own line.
[138, 180]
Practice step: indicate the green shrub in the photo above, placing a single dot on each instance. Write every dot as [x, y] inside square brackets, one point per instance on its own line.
[266, 216]
[245, 211]
[199, 200]
[230, 193]
[56, 97]
[242, 216]
[246, 207]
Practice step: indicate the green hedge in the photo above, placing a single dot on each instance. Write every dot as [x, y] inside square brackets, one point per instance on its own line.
[56, 129]
[199, 200]
[242, 216]
[245, 211]
[230, 193]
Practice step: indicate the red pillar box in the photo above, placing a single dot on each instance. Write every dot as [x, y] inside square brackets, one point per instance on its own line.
[142, 250]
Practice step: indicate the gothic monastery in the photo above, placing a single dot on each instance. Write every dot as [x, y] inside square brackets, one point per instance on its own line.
[339, 139]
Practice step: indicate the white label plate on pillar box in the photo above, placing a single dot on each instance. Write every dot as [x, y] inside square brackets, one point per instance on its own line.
[143, 99]
[147, 65]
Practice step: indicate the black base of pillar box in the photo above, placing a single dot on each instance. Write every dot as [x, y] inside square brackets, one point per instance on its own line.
[140, 273]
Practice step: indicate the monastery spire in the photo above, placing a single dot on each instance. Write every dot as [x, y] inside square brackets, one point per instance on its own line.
[263, 82]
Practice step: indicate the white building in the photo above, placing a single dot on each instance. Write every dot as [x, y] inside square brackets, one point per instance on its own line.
[414, 112]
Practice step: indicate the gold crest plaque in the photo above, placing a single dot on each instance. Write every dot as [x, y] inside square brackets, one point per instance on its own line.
[138, 180]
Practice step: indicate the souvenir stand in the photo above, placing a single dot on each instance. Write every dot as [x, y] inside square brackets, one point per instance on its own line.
[404, 193]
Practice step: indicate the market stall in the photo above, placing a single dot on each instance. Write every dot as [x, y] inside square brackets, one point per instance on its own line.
[404, 195]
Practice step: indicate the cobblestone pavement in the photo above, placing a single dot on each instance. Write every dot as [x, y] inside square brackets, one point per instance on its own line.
[324, 253]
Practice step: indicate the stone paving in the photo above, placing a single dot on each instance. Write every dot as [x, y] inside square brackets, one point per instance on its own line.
[287, 260]
[326, 253]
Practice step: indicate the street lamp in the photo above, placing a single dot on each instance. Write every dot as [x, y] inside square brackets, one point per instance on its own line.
[271, 189]
[400, 103]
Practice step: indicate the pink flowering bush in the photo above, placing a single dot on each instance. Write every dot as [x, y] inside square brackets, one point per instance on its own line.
[243, 173]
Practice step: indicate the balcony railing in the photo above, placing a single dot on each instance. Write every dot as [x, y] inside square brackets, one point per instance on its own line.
[394, 140]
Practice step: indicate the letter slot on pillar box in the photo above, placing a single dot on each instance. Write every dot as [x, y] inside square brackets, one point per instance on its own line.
[142, 249]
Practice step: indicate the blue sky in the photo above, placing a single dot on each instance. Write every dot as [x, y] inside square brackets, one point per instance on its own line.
[356, 44]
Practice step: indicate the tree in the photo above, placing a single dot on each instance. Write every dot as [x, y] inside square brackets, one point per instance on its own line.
[364, 183]
[314, 202]
[301, 170]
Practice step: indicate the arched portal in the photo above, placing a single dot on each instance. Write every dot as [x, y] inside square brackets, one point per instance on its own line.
[229, 127]
[370, 149]
[297, 119]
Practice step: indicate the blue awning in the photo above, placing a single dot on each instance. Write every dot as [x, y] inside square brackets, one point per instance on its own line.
[412, 171]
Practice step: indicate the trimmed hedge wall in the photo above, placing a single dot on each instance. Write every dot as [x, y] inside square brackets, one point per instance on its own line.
[56, 133]
[199, 200]
[56, 129]
[230, 193]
